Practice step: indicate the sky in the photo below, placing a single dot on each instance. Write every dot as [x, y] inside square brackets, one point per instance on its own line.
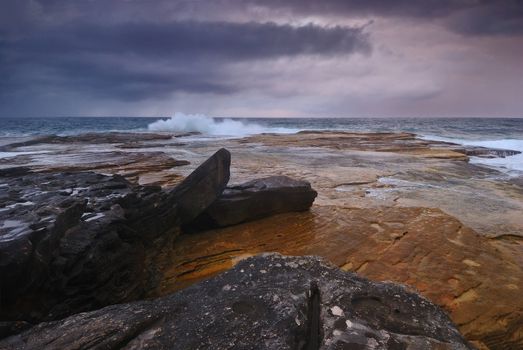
[261, 58]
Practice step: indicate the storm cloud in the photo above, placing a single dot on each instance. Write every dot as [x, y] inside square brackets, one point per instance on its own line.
[140, 60]
[292, 57]
[480, 17]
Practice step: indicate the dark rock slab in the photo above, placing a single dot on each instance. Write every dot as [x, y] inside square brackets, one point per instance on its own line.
[77, 241]
[484, 152]
[90, 138]
[201, 188]
[265, 302]
[254, 200]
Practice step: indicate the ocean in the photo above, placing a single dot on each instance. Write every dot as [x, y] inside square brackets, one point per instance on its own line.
[503, 133]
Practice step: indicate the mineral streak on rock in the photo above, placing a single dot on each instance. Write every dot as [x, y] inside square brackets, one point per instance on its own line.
[72, 242]
[254, 200]
[289, 306]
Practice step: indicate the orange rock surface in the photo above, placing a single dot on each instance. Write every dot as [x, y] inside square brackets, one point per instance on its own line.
[478, 283]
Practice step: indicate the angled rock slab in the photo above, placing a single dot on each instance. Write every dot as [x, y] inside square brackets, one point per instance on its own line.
[265, 302]
[201, 188]
[255, 200]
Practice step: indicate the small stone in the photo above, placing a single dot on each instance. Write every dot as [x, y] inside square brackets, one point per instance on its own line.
[337, 311]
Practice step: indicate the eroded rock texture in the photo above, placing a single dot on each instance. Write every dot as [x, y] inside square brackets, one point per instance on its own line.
[71, 242]
[475, 279]
[265, 302]
[254, 200]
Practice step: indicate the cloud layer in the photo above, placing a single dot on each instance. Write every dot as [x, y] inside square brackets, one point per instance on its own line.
[261, 57]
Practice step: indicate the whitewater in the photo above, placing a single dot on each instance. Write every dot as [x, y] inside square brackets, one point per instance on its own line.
[501, 133]
[183, 123]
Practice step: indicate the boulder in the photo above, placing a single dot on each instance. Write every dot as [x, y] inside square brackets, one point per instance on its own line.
[201, 188]
[254, 200]
[265, 302]
[78, 241]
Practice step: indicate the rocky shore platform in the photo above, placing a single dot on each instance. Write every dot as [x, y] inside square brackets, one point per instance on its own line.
[151, 240]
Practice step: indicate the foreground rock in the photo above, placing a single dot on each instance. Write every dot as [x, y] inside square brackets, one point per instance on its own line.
[266, 302]
[475, 279]
[256, 199]
[71, 242]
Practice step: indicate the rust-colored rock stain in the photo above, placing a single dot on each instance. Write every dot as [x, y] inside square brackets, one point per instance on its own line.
[473, 279]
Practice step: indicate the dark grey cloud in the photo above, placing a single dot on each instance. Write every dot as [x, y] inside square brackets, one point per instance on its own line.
[469, 17]
[503, 18]
[235, 41]
[139, 60]
[118, 53]
[477, 17]
[401, 8]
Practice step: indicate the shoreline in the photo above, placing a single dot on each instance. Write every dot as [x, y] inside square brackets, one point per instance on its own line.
[372, 215]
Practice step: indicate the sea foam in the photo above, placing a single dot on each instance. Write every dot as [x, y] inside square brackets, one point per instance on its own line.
[511, 164]
[209, 126]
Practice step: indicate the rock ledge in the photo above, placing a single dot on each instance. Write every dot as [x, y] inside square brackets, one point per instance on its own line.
[266, 302]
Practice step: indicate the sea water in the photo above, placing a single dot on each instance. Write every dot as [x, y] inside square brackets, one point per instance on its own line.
[502, 133]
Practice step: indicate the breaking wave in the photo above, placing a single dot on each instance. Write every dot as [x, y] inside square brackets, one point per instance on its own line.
[511, 164]
[210, 126]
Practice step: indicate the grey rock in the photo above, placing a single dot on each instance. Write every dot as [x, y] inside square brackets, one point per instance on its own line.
[71, 242]
[265, 302]
[484, 152]
[78, 241]
[254, 200]
[203, 185]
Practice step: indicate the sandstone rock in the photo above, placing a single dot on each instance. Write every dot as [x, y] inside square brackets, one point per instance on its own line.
[477, 280]
[90, 138]
[256, 199]
[265, 302]
[101, 153]
[400, 142]
[201, 188]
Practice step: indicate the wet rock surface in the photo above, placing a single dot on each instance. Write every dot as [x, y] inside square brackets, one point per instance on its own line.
[90, 138]
[489, 152]
[265, 302]
[254, 200]
[476, 280]
[72, 242]
[139, 157]
[77, 241]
